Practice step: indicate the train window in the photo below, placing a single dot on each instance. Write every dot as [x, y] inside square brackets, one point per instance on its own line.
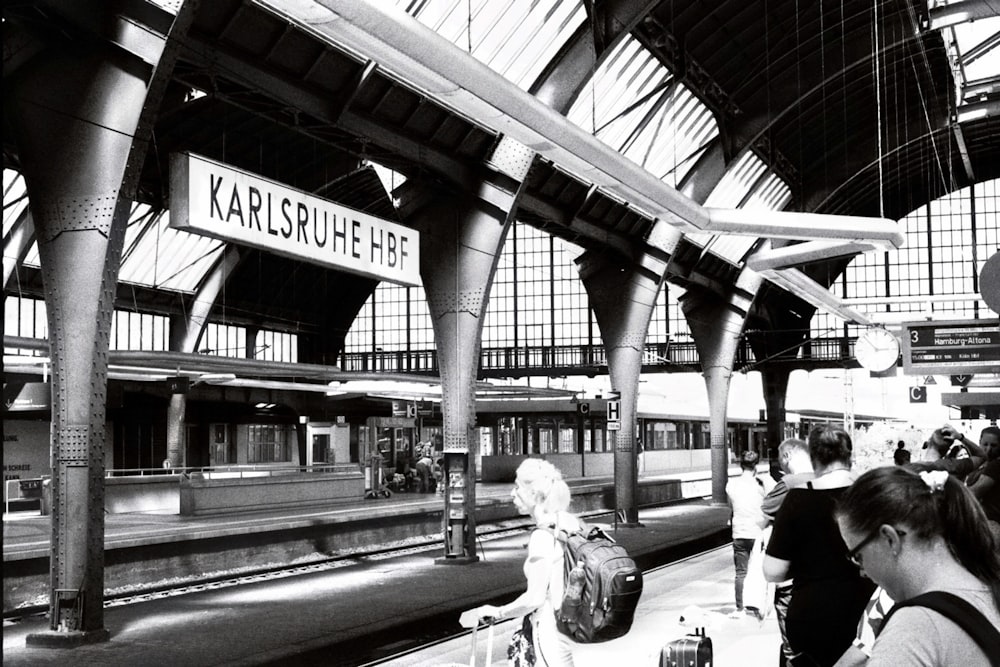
[600, 442]
[545, 440]
[567, 439]
[267, 443]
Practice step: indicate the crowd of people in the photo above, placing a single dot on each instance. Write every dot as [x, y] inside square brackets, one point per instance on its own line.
[897, 566]
[421, 472]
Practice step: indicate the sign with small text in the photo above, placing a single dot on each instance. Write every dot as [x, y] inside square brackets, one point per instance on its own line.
[951, 347]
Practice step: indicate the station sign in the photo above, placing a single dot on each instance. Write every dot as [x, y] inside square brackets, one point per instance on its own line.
[216, 200]
[954, 347]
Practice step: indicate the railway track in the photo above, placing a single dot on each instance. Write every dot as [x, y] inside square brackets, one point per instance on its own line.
[257, 575]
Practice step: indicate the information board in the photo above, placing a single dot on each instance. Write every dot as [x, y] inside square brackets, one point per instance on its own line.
[953, 347]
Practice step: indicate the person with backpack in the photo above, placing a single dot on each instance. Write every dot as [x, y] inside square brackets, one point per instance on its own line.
[922, 537]
[539, 492]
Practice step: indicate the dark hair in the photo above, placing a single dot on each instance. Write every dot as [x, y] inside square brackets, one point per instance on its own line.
[829, 444]
[901, 444]
[896, 495]
[749, 460]
[990, 430]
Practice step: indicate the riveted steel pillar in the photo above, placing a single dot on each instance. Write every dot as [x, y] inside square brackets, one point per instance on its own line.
[81, 112]
[622, 296]
[716, 322]
[461, 239]
[775, 382]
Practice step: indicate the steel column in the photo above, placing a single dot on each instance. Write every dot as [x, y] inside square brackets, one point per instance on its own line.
[82, 110]
[622, 296]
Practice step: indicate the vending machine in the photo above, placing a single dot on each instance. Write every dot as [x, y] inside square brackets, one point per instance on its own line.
[459, 545]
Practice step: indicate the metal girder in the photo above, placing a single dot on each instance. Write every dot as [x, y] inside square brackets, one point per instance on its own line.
[961, 12]
[445, 73]
[802, 253]
[812, 292]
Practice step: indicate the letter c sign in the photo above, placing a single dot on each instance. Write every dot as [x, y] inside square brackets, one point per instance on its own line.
[918, 394]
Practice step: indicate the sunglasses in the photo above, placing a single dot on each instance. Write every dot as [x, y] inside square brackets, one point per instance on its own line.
[854, 555]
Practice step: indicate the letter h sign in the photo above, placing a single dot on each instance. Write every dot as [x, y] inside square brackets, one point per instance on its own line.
[614, 411]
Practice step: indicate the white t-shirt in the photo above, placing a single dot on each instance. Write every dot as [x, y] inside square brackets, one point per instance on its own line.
[745, 495]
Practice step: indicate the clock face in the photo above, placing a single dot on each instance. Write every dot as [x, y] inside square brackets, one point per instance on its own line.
[876, 349]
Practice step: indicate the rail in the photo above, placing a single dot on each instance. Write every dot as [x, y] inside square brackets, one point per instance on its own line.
[571, 359]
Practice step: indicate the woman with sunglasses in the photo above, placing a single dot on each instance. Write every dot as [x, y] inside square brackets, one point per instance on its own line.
[916, 533]
[828, 593]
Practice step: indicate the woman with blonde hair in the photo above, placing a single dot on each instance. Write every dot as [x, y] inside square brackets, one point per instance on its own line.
[539, 492]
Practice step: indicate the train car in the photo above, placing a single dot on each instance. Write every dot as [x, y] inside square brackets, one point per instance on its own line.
[573, 434]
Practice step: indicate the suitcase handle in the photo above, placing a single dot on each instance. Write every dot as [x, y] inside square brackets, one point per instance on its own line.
[489, 645]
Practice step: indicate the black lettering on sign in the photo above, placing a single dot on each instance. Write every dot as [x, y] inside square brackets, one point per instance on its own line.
[376, 244]
[235, 206]
[302, 236]
[355, 239]
[316, 227]
[213, 194]
[340, 232]
[286, 231]
[255, 203]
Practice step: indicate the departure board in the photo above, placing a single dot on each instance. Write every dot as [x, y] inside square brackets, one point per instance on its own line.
[952, 347]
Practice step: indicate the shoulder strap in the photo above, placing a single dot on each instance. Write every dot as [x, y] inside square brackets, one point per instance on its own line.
[962, 613]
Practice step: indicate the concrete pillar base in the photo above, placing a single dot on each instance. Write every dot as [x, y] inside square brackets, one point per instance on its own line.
[457, 560]
[71, 639]
[631, 524]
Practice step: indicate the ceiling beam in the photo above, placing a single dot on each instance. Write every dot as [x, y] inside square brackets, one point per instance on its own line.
[439, 69]
[954, 13]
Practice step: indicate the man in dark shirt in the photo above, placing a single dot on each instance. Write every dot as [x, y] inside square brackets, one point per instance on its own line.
[793, 458]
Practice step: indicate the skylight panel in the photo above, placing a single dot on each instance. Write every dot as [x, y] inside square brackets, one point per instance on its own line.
[15, 199]
[736, 184]
[515, 38]
[167, 258]
[747, 184]
[634, 105]
[969, 36]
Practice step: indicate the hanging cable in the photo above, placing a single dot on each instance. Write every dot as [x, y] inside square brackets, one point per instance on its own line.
[878, 111]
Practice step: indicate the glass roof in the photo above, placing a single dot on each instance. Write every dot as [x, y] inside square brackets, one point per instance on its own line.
[747, 184]
[15, 200]
[157, 255]
[976, 47]
[634, 105]
[154, 255]
[514, 38]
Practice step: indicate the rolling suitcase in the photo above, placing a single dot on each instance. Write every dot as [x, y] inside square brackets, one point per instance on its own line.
[693, 650]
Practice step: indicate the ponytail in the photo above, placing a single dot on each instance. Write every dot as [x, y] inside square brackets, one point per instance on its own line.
[965, 529]
[929, 504]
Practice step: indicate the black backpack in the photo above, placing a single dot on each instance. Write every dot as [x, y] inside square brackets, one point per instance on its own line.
[611, 590]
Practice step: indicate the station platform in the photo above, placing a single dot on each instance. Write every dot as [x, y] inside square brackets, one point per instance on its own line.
[148, 550]
[323, 617]
[27, 534]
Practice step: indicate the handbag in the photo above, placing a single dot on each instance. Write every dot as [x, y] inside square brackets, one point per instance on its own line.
[521, 650]
[758, 593]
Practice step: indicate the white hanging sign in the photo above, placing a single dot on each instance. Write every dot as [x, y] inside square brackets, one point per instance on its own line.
[216, 200]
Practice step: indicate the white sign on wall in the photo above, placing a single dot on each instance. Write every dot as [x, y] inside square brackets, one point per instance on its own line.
[213, 199]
